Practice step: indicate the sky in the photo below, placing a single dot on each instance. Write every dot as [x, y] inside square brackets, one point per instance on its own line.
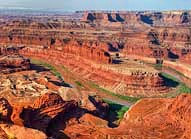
[74, 5]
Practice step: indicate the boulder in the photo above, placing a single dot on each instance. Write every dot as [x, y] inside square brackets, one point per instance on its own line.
[5, 110]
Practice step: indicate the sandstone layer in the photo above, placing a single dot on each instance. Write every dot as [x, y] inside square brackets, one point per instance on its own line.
[126, 82]
[148, 118]
[105, 38]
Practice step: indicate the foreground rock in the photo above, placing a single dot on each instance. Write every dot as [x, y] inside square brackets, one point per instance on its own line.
[149, 118]
[18, 132]
[3, 135]
[13, 63]
[40, 115]
[5, 110]
[97, 106]
[45, 109]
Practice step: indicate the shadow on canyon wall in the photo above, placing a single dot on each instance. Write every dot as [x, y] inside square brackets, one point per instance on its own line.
[169, 82]
[171, 55]
[34, 118]
[62, 83]
[146, 19]
[38, 68]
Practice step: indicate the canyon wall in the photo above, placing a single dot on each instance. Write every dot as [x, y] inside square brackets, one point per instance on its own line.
[155, 36]
[98, 49]
[169, 18]
[100, 38]
[134, 83]
[84, 44]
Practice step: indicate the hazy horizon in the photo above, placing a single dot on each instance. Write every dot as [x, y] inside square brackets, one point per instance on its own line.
[80, 5]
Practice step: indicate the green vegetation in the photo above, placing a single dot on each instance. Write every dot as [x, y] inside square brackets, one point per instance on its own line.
[184, 89]
[171, 80]
[48, 66]
[174, 82]
[177, 72]
[122, 111]
[170, 77]
[78, 83]
[127, 98]
[158, 66]
[116, 109]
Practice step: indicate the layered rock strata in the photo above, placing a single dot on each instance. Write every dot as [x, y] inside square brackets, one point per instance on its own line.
[107, 36]
[149, 118]
[136, 83]
[13, 63]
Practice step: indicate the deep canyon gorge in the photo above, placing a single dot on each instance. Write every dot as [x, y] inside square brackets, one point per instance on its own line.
[96, 74]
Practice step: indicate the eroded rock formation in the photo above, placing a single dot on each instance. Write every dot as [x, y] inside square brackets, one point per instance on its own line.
[169, 18]
[3, 135]
[13, 63]
[96, 48]
[136, 83]
[158, 117]
[5, 110]
[99, 38]
[149, 118]
[45, 109]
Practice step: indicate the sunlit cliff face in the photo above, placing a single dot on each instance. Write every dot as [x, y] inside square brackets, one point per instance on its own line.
[95, 75]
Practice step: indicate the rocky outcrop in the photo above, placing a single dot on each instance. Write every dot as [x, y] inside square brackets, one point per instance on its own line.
[149, 118]
[48, 113]
[100, 108]
[40, 115]
[45, 109]
[170, 18]
[18, 132]
[166, 116]
[5, 110]
[13, 63]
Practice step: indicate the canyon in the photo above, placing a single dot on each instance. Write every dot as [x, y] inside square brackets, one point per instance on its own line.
[60, 76]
